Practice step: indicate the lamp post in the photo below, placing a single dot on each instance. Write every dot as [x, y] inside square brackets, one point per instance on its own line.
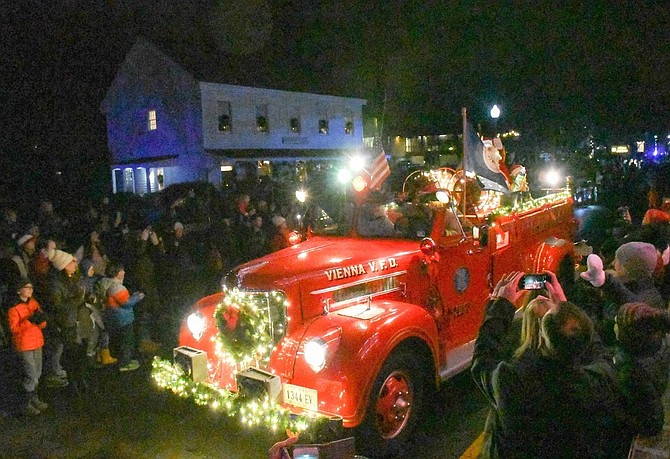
[495, 114]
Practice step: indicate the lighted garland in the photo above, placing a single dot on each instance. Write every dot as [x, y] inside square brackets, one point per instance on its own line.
[528, 204]
[250, 412]
[244, 328]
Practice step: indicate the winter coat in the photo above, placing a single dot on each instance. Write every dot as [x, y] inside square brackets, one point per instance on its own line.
[67, 297]
[641, 290]
[119, 311]
[540, 407]
[642, 381]
[26, 335]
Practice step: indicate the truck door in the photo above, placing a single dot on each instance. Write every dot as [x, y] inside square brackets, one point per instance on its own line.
[463, 282]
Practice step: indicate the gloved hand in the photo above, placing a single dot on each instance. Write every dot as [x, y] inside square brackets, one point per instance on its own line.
[595, 273]
[37, 317]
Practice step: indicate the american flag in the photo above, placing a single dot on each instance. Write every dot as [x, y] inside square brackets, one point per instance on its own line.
[379, 171]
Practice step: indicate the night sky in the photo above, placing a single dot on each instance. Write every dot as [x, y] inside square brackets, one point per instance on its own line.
[588, 66]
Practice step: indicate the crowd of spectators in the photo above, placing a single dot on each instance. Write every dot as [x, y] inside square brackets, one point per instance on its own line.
[111, 280]
[587, 374]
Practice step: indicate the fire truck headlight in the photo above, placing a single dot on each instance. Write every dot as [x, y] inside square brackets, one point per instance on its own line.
[315, 354]
[196, 324]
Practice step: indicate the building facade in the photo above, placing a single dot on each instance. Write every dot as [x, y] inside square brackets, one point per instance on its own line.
[165, 127]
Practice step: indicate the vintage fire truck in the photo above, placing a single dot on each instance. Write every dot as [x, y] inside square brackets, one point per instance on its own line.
[376, 308]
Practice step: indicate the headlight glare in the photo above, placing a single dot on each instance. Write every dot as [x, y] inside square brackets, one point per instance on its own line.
[196, 324]
[315, 354]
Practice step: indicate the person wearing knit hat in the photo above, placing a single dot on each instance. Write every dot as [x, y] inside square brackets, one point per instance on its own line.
[641, 362]
[632, 280]
[60, 259]
[66, 298]
[25, 238]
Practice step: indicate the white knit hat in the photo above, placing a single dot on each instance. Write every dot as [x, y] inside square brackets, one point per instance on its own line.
[23, 239]
[59, 259]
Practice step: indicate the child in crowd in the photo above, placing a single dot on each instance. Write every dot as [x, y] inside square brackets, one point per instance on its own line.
[26, 321]
[119, 316]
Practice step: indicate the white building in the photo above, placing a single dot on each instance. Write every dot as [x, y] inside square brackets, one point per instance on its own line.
[166, 127]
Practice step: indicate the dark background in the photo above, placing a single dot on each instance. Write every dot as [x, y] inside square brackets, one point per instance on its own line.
[559, 73]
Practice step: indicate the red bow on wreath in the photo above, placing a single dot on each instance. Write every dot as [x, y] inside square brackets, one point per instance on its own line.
[231, 315]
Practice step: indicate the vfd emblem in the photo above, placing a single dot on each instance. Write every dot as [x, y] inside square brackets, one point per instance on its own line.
[461, 279]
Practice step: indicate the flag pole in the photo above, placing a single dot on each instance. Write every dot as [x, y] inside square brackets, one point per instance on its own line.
[465, 152]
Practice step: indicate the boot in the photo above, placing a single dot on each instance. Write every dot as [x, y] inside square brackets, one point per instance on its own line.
[37, 403]
[29, 409]
[105, 357]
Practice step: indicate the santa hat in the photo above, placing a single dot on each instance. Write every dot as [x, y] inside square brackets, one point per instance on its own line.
[638, 259]
[23, 239]
[517, 169]
[60, 259]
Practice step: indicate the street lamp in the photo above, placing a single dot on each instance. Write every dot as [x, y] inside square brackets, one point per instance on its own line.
[495, 114]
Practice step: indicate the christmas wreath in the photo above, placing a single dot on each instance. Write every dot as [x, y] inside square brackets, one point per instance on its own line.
[244, 326]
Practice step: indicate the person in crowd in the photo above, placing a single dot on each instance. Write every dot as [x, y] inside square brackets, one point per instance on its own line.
[119, 317]
[257, 243]
[66, 298]
[632, 279]
[26, 321]
[243, 213]
[10, 227]
[642, 360]
[374, 222]
[141, 253]
[657, 211]
[281, 234]
[91, 325]
[179, 269]
[93, 249]
[543, 405]
[24, 255]
[50, 223]
[530, 325]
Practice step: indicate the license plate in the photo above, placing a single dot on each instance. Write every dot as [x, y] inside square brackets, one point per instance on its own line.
[300, 396]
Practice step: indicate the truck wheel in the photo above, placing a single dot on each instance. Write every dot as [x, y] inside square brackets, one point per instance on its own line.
[395, 402]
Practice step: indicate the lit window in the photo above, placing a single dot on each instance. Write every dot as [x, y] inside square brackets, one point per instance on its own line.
[152, 122]
[323, 126]
[348, 125]
[224, 116]
[262, 118]
[294, 124]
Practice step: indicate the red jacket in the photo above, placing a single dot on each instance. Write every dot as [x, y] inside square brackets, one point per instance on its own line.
[26, 335]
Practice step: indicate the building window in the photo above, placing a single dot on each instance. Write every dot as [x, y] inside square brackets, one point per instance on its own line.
[294, 124]
[323, 126]
[151, 120]
[262, 118]
[224, 116]
[348, 125]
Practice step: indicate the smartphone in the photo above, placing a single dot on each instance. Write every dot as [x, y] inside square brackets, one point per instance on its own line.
[533, 281]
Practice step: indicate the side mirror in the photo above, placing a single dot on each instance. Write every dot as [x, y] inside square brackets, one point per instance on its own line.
[481, 234]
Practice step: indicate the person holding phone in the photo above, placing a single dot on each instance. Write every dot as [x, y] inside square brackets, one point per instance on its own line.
[543, 405]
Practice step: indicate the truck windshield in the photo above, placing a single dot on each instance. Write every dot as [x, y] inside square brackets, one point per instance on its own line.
[390, 218]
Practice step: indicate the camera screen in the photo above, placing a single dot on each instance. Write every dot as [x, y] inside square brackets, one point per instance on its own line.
[533, 281]
[305, 452]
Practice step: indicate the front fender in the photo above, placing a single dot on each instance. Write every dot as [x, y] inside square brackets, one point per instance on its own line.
[359, 347]
[551, 253]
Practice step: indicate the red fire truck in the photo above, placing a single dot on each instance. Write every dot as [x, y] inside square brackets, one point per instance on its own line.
[372, 311]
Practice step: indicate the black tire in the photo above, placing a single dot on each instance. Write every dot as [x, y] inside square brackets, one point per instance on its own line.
[395, 406]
